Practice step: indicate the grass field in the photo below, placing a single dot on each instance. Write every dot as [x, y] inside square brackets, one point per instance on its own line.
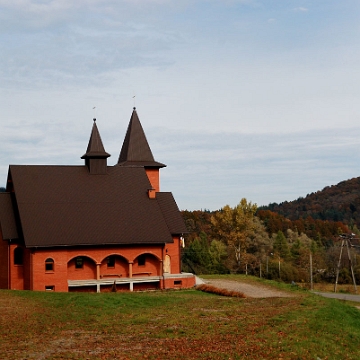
[176, 324]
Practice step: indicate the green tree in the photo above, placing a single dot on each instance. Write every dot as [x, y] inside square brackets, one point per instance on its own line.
[218, 254]
[281, 246]
[196, 256]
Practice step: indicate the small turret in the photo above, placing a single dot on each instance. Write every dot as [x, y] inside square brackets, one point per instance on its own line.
[96, 156]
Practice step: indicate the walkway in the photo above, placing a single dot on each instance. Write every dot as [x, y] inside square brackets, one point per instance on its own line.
[340, 296]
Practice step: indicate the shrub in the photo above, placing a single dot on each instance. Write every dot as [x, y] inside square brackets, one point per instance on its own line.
[222, 292]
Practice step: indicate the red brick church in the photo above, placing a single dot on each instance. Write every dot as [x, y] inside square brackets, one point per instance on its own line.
[92, 227]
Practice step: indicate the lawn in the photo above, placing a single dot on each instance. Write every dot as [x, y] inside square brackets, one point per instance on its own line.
[175, 324]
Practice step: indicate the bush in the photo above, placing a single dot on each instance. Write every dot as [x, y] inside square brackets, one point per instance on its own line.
[223, 292]
[344, 276]
[288, 272]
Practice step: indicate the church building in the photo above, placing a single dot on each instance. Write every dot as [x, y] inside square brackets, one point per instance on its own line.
[92, 227]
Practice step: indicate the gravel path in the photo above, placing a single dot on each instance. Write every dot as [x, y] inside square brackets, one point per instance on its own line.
[340, 296]
[253, 291]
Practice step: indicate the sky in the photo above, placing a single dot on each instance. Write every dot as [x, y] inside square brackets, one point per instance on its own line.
[255, 99]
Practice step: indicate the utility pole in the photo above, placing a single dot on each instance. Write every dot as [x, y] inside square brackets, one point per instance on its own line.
[345, 241]
[279, 268]
[311, 273]
[267, 266]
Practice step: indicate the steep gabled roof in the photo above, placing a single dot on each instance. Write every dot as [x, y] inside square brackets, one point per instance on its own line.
[67, 206]
[135, 150]
[95, 147]
[7, 217]
[172, 215]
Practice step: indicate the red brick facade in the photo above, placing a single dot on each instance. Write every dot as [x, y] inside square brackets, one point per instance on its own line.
[94, 269]
[4, 264]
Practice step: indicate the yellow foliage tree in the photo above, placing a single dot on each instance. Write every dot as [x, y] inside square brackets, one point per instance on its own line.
[239, 228]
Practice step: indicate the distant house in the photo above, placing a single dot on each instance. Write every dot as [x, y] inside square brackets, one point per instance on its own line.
[92, 227]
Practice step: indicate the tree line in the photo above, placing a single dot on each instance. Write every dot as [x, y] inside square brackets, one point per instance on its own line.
[244, 239]
[339, 202]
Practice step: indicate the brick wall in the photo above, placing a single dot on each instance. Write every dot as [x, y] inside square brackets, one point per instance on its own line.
[154, 178]
[3, 263]
[33, 275]
[173, 250]
[95, 263]
[16, 271]
[180, 283]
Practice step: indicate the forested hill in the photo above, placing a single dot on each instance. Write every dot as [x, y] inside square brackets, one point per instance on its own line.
[339, 202]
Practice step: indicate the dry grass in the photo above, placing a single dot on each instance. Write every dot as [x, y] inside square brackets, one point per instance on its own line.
[175, 324]
[223, 292]
[326, 287]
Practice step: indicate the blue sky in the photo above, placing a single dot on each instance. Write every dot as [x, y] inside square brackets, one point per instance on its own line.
[240, 98]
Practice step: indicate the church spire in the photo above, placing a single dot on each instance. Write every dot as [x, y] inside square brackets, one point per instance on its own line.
[135, 149]
[95, 156]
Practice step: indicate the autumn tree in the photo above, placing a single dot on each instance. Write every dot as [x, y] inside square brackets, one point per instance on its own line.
[239, 229]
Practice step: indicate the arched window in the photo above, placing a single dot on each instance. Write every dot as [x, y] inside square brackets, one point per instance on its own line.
[18, 256]
[111, 261]
[142, 260]
[49, 264]
[79, 262]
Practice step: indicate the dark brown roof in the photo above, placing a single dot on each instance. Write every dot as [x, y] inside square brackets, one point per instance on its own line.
[171, 213]
[7, 217]
[95, 147]
[66, 205]
[135, 150]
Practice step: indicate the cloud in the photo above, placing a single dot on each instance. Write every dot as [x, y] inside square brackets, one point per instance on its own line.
[301, 9]
[236, 101]
[205, 169]
[71, 42]
[210, 171]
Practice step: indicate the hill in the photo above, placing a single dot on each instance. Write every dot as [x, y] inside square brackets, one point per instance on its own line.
[339, 202]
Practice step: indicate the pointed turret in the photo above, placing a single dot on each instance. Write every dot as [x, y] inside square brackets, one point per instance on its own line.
[136, 151]
[95, 156]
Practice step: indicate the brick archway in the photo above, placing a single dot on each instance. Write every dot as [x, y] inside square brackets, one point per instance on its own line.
[114, 266]
[81, 267]
[147, 264]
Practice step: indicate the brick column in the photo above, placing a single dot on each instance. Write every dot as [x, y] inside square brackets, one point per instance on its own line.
[130, 269]
[163, 285]
[98, 271]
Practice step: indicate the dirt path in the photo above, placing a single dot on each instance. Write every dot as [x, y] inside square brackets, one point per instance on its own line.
[348, 297]
[253, 291]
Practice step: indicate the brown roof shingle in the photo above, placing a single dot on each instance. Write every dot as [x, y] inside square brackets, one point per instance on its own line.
[135, 149]
[66, 206]
[95, 147]
[171, 213]
[7, 217]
